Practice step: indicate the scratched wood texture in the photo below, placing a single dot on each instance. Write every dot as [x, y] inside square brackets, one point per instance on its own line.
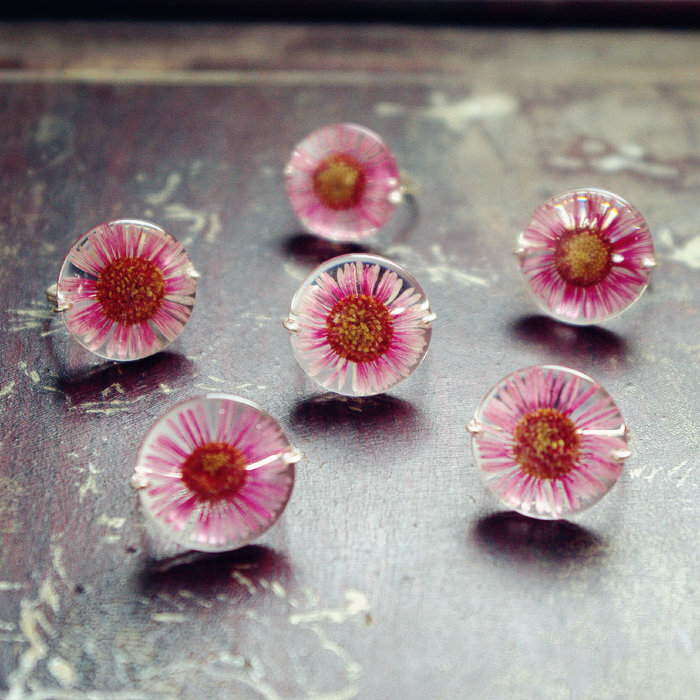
[392, 573]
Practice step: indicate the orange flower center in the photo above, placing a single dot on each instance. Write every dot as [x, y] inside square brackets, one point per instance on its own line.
[339, 181]
[583, 257]
[546, 444]
[359, 328]
[214, 471]
[130, 290]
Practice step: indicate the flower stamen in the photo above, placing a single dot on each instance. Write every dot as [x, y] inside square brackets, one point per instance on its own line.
[359, 328]
[130, 290]
[339, 181]
[214, 471]
[583, 257]
[546, 444]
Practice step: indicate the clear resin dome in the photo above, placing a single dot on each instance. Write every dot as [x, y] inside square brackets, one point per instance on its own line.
[343, 182]
[126, 289]
[215, 472]
[359, 324]
[586, 255]
[549, 441]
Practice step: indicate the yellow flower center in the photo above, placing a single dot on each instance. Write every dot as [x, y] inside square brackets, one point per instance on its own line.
[214, 471]
[339, 181]
[546, 444]
[583, 257]
[130, 290]
[359, 328]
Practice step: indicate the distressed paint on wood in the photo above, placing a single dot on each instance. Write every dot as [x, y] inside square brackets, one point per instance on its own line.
[392, 573]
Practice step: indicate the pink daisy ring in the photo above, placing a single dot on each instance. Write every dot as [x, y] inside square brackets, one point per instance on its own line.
[343, 182]
[549, 441]
[359, 324]
[215, 472]
[586, 255]
[126, 289]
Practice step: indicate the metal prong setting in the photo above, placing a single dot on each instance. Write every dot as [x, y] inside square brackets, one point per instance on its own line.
[428, 319]
[409, 185]
[139, 481]
[620, 455]
[291, 325]
[407, 188]
[293, 455]
[52, 298]
[474, 426]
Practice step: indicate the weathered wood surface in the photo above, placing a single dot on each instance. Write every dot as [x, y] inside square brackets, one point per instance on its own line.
[392, 573]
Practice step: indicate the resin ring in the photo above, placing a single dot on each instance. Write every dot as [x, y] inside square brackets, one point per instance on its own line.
[549, 441]
[359, 324]
[126, 289]
[343, 182]
[215, 472]
[586, 255]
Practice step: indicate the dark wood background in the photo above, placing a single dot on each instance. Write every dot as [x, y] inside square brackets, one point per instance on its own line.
[393, 573]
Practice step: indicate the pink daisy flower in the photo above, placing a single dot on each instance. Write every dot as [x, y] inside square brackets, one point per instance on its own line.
[126, 289]
[215, 472]
[586, 255]
[549, 441]
[360, 324]
[343, 182]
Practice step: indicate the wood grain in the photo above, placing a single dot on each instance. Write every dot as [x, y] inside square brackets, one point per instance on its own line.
[392, 573]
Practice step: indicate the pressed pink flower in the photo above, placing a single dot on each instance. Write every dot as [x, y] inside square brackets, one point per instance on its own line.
[215, 472]
[343, 182]
[586, 255]
[549, 441]
[360, 324]
[126, 289]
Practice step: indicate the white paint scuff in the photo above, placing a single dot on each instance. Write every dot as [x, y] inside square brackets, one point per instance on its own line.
[30, 319]
[31, 373]
[352, 668]
[7, 389]
[456, 115]
[62, 671]
[35, 629]
[169, 618]
[440, 268]
[687, 252]
[172, 182]
[629, 158]
[114, 523]
[57, 561]
[244, 581]
[200, 222]
[116, 387]
[108, 407]
[11, 586]
[48, 595]
[90, 483]
[357, 603]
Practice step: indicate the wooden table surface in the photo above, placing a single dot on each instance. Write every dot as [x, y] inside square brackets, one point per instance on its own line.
[393, 573]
